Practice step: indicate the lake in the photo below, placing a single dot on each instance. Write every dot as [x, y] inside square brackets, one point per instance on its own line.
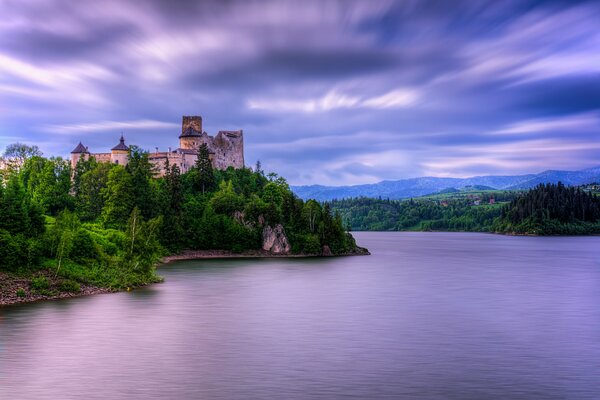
[426, 316]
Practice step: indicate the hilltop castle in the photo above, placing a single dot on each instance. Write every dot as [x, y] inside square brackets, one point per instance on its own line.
[226, 149]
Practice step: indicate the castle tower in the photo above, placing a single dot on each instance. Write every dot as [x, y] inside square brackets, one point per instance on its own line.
[120, 153]
[191, 132]
[78, 152]
[191, 121]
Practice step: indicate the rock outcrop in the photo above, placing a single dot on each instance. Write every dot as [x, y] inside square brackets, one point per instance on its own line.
[275, 241]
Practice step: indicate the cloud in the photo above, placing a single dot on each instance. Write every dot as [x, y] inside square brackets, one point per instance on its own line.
[104, 126]
[326, 91]
[332, 100]
[582, 122]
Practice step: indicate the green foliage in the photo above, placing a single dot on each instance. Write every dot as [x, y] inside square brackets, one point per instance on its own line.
[142, 247]
[69, 286]
[21, 292]
[13, 251]
[552, 210]
[48, 181]
[84, 249]
[39, 283]
[205, 177]
[131, 217]
[141, 172]
[225, 200]
[89, 187]
[118, 196]
[458, 214]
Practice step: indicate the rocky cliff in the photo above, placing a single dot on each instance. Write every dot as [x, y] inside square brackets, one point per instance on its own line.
[275, 241]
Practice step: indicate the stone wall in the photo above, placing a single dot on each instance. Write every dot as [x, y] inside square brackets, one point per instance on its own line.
[191, 121]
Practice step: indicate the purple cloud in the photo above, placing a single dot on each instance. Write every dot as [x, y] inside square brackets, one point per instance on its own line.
[331, 92]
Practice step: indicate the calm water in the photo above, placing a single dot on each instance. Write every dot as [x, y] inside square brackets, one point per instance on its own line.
[427, 316]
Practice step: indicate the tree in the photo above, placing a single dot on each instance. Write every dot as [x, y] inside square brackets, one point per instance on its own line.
[141, 171]
[62, 234]
[142, 248]
[118, 197]
[91, 190]
[16, 154]
[48, 182]
[205, 180]
[172, 232]
[312, 214]
[258, 168]
[225, 200]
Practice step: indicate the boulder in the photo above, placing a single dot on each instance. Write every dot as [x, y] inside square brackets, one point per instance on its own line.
[275, 241]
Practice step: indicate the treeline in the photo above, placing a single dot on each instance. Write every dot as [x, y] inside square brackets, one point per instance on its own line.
[551, 209]
[367, 214]
[108, 225]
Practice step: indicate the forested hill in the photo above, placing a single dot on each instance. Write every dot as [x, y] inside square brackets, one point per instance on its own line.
[416, 187]
[552, 209]
[108, 225]
[547, 209]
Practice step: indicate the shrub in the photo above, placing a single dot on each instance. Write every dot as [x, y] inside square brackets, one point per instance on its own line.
[13, 253]
[69, 286]
[20, 292]
[84, 247]
[40, 283]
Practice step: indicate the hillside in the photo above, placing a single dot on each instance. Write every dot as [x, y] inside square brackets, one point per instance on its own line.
[416, 187]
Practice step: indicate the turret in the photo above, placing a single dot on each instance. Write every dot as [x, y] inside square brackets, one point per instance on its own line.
[120, 153]
[78, 152]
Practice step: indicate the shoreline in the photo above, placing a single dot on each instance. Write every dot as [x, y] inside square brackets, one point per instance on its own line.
[224, 254]
[10, 283]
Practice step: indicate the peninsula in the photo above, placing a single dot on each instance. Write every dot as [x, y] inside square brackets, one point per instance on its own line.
[101, 222]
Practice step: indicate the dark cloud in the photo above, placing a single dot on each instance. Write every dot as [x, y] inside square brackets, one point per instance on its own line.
[326, 91]
[560, 96]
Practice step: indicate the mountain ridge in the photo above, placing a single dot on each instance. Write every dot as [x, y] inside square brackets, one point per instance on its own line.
[415, 187]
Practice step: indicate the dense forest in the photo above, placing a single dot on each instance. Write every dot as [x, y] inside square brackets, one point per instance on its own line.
[545, 210]
[108, 225]
[421, 214]
[551, 209]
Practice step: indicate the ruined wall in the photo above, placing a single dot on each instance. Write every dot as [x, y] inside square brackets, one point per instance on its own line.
[228, 147]
[191, 121]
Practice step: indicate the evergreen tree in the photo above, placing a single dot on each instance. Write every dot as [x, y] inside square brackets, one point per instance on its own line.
[205, 180]
[172, 232]
[141, 171]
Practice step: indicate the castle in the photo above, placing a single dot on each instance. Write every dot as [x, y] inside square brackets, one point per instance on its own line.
[226, 149]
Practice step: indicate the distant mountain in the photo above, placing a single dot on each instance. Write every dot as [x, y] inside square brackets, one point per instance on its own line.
[415, 187]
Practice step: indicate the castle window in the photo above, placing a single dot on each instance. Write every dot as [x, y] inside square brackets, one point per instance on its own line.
[117, 162]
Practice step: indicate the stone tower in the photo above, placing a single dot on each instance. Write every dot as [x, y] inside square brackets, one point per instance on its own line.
[191, 133]
[78, 152]
[191, 121]
[120, 153]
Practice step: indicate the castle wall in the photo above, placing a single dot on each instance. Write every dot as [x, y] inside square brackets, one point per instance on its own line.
[226, 150]
[102, 157]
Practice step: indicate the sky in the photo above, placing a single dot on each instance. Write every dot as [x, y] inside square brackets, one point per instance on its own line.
[327, 92]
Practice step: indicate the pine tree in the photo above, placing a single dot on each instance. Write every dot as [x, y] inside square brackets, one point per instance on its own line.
[205, 180]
